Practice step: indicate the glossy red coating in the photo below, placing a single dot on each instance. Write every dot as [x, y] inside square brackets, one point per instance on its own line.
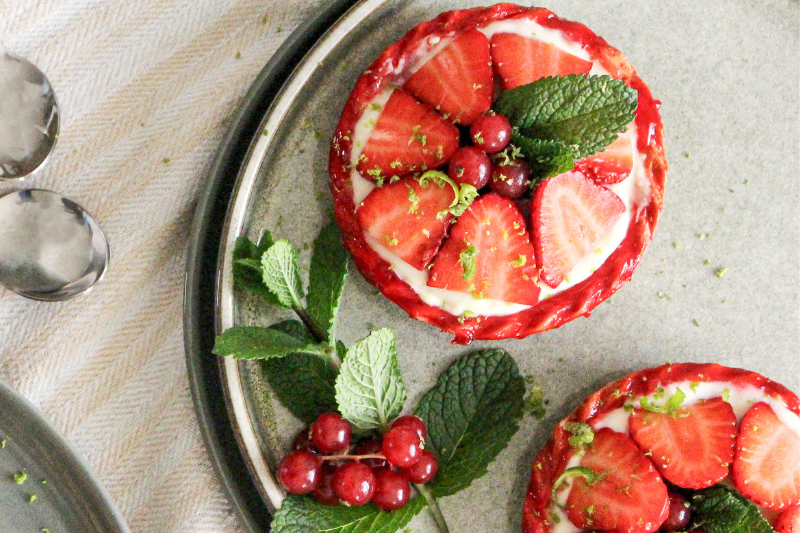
[560, 308]
[553, 458]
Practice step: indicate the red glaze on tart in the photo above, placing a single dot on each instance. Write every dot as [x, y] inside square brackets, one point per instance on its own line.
[730, 426]
[411, 110]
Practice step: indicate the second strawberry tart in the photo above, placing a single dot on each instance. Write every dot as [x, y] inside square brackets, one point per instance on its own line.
[498, 171]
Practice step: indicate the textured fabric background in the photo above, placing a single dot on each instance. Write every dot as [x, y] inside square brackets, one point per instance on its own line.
[146, 89]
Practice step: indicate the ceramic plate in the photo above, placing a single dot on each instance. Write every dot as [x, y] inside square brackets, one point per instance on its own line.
[719, 283]
[43, 482]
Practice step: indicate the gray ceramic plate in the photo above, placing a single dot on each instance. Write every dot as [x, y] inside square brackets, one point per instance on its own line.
[720, 282]
[68, 498]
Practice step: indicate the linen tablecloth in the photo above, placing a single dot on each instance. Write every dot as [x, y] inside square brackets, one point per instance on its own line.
[146, 89]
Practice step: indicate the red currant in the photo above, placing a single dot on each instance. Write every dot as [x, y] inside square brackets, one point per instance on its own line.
[510, 179]
[423, 470]
[302, 441]
[354, 483]
[470, 165]
[330, 433]
[414, 422]
[679, 513]
[401, 446]
[491, 133]
[324, 491]
[299, 472]
[392, 490]
[370, 447]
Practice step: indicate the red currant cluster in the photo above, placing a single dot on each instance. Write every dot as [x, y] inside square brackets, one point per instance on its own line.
[378, 469]
[490, 134]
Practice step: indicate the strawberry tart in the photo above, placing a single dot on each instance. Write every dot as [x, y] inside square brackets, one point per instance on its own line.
[680, 447]
[498, 171]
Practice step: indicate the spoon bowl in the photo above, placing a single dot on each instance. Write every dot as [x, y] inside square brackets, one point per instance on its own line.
[29, 117]
[51, 249]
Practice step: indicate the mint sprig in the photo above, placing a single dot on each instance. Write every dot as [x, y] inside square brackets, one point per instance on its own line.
[370, 390]
[561, 117]
[471, 415]
[719, 509]
[300, 514]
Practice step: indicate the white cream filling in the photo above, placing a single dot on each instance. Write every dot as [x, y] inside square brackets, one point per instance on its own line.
[740, 398]
[634, 191]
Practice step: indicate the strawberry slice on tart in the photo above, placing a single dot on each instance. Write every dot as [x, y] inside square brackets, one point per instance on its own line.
[399, 122]
[488, 254]
[520, 60]
[458, 81]
[409, 217]
[666, 412]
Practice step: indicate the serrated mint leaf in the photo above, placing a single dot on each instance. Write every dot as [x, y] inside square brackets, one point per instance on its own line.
[326, 279]
[583, 112]
[370, 390]
[295, 328]
[247, 266]
[471, 414]
[719, 509]
[544, 158]
[301, 514]
[247, 342]
[282, 275]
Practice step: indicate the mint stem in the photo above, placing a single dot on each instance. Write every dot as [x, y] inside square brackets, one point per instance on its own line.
[312, 328]
[433, 507]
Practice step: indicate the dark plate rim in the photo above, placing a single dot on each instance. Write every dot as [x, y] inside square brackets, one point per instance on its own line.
[88, 496]
[200, 292]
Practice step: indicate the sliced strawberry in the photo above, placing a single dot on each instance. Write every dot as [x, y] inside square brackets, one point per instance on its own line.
[766, 467]
[692, 447]
[788, 521]
[521, 60]
[409, 136]
[627, 494]
[613, 164]
[407, 218]
[458, 81]
[570, 213]
[491, 237]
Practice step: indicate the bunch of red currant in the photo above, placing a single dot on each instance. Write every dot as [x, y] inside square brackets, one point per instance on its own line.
[490, 134]
[378, 469]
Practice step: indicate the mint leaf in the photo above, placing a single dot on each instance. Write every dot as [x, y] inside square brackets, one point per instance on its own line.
[247, 342]
[719, 509]
[326, 279]
[247, 266]
[584, 113]
[282, 275]
[544, 158]
[471, 414]
[301, 514]
[370, 390]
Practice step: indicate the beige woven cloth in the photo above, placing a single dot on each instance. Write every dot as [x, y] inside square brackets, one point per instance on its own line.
[146, 88]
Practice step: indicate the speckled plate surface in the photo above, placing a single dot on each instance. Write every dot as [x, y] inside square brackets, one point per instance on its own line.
[719, 283]
[44, 485]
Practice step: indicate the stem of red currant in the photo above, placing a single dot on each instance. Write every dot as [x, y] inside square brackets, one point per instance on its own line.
[351, 457]
[433, 507]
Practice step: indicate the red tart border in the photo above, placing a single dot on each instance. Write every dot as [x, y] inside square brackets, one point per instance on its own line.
[563, 307]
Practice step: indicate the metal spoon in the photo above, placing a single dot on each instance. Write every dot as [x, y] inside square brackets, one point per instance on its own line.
[50, 248]
[29, 118]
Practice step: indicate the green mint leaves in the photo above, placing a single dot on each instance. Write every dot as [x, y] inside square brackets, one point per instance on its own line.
[247, 266]
[282, 275]
[471, 415]
[326, 280]
[300, 514]
[370, 390]
[719, 509]
[246, 342]
[560, 119]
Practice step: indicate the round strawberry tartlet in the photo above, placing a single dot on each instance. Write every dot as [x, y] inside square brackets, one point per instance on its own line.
[498, 171]
[680, 447]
